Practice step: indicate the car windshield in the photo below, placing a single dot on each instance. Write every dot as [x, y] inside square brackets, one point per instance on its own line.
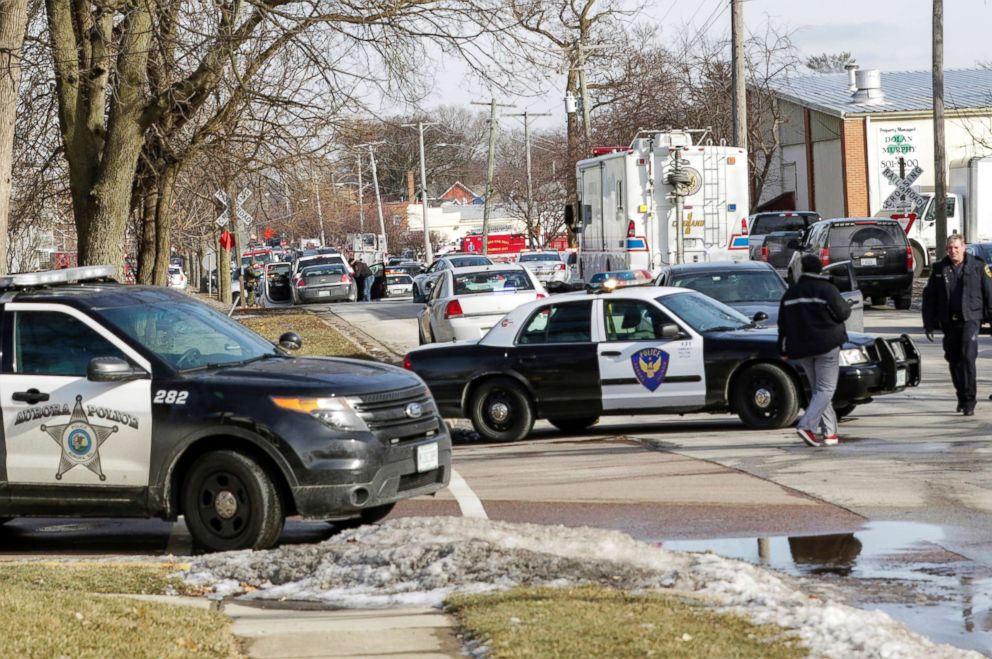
[524, 258]
[493, 281]
[281, 269]
[732, 287]
[704, 314]
[867, 235]
[767, 223]
[321, 260]
[189, 335]
[469, 261]
[323, 271]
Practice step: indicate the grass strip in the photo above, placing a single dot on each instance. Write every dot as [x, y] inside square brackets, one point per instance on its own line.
[592, 621]
[319, 338]
[57, 610]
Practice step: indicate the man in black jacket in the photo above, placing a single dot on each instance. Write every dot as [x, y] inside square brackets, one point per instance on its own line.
[958, 297]
[811, 331]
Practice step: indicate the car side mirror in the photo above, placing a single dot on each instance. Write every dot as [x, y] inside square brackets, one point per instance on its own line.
[113, 369]
[570, 216]
[290, 341]
[760, 316]
[670, 331]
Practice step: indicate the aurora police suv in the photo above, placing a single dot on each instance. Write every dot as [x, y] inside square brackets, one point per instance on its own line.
[138, 401]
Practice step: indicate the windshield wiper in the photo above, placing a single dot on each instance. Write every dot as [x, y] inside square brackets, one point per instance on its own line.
[727, 328]
[212, 366]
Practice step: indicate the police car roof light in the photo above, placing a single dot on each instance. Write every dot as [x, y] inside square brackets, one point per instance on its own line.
[54, 277]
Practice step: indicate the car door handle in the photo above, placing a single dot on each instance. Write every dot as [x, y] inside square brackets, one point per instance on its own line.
[31, 396]
[527, 358]
[610, 353]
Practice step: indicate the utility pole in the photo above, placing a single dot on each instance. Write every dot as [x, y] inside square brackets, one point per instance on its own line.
[939, 154]
[378, 199]
[490, 170]
[740, 90]
[361, 195]
[320, 212]
[428, 250]
[530, 184]
[584, 90]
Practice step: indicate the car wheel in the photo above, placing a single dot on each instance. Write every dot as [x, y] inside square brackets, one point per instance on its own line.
[230, 503]
[417, 297]
[878, 301]
[574, 425]
[367, 516]
[764, 396]
[917, 262]
[844, 410]
[904, 301]
[501, 411]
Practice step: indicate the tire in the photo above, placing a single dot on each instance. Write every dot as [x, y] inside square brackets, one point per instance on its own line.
[228, 477]
[422, 340]
[501, 411]
[574, 425]
[904, 301]
[764, 397]
[878, 300]
[417, 297]
[918, 266]
[367, 516]
[844, 410]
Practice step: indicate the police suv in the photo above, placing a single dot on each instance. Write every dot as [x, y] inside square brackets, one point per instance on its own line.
[641, 350]
[139, 401]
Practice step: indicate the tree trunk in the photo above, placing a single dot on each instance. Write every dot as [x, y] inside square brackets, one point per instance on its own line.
[163, 223]
[13, 22]
[147, 245]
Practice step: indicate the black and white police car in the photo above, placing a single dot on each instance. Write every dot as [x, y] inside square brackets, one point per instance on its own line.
[575, 357]
[139, 401]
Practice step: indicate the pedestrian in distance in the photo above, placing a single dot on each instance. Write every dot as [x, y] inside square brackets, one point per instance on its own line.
[957, 298]
[811, 332]
[363, 279]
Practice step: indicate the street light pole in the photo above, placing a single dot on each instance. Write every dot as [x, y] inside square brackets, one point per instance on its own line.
[428, 250]
[361, 195]
[378, 199]
[320, 212]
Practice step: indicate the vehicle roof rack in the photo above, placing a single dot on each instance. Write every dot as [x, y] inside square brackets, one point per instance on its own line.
[87, 273]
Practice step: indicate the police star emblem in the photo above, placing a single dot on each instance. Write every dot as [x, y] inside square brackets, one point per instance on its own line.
[650, 367]
[80, 441]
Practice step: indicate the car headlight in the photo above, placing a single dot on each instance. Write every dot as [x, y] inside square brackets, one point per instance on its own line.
[853, 356]
[337, 413]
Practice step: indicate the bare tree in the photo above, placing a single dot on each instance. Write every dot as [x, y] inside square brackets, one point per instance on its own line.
[13, 23]
[829, 62]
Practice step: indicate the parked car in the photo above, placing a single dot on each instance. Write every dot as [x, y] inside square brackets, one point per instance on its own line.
[762, 224]
[641, 350]
[423, 281]
[278, 285]
[398, 284]
[330, 282]
[466, 302]
[877, 248]
[751, 287]
[177, 278]
[319, 259]
[619, 279]
[411, 268]
[547, 266]
[981, 250]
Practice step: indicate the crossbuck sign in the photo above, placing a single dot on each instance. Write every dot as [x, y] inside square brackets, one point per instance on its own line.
[903, 195]
[225, 201]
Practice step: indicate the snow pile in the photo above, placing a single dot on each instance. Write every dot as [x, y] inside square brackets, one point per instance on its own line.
[419, 561]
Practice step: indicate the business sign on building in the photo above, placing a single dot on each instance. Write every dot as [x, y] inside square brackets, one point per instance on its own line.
[906, 144]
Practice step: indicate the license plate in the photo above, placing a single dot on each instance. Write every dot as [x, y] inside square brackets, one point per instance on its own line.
[427, 457]
[323, 293]
[901, 378]
[869, 261]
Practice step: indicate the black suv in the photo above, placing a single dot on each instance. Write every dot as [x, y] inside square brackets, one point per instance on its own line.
[877, 248]
[759, 225]
[139, 401]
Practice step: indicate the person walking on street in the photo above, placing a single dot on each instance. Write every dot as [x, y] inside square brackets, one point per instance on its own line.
[957, 298]
[811, 331]
[364, 278]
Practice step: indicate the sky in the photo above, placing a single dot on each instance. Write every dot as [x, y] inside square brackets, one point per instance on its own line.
[890, 35]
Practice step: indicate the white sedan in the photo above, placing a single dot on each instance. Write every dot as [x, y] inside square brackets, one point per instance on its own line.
[466, 302]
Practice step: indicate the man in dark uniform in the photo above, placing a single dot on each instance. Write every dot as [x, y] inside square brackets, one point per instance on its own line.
[958, 297]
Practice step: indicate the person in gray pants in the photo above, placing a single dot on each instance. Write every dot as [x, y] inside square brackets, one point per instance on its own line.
[811, 331]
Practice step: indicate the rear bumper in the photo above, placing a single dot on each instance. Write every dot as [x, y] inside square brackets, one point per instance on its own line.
[329, 294]
[882, 284]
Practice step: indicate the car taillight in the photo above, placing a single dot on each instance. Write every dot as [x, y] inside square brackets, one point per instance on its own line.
[764, 252]
[540, 296]
[453, 310]
[301, 283]
[345, 279]
[407, 364]
[630, 229]
[561, 266]
[825, 256]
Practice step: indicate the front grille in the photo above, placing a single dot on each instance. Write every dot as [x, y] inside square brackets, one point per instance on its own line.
[386, 414]
[897, 349]
[415, 481]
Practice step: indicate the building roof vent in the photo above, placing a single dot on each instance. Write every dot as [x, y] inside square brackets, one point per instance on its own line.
[869, 87]
[851, 67]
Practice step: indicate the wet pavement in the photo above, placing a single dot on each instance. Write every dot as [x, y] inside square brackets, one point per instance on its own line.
[898, 567]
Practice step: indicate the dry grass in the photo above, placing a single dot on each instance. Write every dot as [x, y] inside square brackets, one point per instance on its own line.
[319, 338]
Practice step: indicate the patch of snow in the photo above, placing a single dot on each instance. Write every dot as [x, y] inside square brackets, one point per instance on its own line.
[418, 561]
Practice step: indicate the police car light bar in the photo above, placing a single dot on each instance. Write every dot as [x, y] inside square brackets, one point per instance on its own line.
[63, 276]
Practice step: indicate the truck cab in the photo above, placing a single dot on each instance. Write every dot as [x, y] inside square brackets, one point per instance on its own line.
[921, 229]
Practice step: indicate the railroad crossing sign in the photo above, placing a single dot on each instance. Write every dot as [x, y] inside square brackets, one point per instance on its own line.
[903, 195]
[224, 200]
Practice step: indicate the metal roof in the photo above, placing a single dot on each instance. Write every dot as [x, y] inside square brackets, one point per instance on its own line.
[905, 91]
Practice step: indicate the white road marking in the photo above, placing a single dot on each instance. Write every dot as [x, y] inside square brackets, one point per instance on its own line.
[180, 541]
[470, 504]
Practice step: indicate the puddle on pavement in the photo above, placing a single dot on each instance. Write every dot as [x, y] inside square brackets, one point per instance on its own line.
[898, 567]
